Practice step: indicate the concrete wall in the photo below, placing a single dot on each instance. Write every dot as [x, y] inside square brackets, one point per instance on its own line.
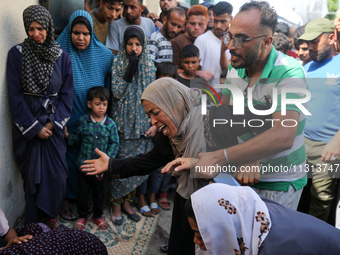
[12, 33]
[153, 6]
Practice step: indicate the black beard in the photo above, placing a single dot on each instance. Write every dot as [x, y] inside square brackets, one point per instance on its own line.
[322, 55]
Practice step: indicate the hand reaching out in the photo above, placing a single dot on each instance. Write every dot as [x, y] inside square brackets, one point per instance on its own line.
[96, 166]
[179, 164]
[248, 173]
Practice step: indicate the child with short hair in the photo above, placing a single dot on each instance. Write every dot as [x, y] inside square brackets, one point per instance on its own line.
[166, 69]
[95, 130]
[107, 12]
[190, 62]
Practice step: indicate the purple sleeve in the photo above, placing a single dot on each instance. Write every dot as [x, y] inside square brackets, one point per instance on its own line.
[65, 94]
[21, 114]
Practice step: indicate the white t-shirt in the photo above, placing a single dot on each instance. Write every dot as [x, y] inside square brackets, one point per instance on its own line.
[116, 31]
[4, 227]
[210, 53]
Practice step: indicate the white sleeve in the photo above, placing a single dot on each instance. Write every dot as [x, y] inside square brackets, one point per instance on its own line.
[4, 227]
[200, 44]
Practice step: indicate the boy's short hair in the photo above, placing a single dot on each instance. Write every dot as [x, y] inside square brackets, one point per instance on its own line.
[283, 28]
[166, 69]
[281, 42]
[223, 8]
[190, 51]
[113, 1]
[145, 12]
[98, 92]
[296, 35]
[198, 10]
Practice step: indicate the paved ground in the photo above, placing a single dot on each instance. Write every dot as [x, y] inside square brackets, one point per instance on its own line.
[161, 235]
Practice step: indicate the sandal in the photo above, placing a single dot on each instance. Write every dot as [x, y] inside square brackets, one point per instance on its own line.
[145, 211]
[100, 222]
[154, 208]
[165, 205]
[67, 214]
[81, 222]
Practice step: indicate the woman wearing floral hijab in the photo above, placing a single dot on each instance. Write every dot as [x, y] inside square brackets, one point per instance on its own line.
[40, 89]
[229, 220]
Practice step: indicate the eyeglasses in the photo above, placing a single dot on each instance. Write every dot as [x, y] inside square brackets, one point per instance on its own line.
[238, 41]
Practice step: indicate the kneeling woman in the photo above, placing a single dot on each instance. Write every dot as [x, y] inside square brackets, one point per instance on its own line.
[231, 220]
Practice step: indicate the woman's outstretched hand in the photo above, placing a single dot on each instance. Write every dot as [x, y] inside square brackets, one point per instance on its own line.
[96, 166]
[179, 164]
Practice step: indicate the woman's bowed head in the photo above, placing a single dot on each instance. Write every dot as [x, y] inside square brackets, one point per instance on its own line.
[40, 29]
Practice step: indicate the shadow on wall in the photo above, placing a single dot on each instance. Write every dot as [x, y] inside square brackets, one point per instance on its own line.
[11, 185]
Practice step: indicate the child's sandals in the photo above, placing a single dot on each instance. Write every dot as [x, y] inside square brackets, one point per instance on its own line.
[101, 223]
[80, 224]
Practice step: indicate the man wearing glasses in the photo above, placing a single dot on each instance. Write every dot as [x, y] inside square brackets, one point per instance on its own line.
[255, 64]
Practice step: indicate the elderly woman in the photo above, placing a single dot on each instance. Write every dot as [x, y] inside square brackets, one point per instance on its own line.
[132, 71]
[91, 63]
[183, 132]
[40, 90]
[244, 223]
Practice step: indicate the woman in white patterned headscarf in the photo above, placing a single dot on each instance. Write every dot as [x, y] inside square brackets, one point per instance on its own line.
[235, 220]
[40, 89]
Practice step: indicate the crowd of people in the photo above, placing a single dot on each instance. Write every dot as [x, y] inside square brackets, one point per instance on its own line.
[119, 96]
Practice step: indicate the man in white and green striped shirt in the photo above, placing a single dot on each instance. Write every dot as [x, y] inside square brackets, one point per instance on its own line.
[255, 64]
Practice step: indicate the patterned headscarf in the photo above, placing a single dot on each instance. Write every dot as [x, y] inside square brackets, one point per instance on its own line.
[38, 59]
[90, 66]
[182, 106]
[127, 110]
[231, 219]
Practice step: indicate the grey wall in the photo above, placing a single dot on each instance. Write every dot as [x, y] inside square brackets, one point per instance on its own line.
[12, 33]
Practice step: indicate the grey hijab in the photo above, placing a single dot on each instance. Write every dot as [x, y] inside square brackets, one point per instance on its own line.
[182, 106]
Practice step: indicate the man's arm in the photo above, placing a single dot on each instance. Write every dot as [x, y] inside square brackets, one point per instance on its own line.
[276, 139]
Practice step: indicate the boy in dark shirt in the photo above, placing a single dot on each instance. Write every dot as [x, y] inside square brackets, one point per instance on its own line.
[190, 62]
[95, 130]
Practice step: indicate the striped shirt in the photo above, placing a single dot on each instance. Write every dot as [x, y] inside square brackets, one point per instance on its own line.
[160, 49]
[286, 168]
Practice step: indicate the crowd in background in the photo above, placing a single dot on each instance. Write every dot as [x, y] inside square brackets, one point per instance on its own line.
[87, 93]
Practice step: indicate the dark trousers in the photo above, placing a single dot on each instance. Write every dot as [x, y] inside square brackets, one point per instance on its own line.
[85, 184]
[3, 243]
[181, 241]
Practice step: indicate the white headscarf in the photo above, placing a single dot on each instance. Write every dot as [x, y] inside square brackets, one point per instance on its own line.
[232, 220]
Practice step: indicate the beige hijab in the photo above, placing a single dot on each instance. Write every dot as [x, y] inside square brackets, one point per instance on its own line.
[182, 106]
